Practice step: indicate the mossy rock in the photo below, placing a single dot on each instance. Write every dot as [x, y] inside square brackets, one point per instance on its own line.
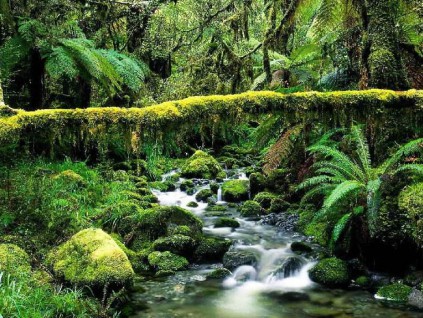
[159, 221]
[395, 292]
[203, 195]
[214, 187]
[362, 281]
[221, 176]
[183, 230]
[216, 208]
[177, 244]
[278, 205]
[264, 199]
[164, 263]
[211, 249]
[410, 201]
[187, 184]
[192, 204]
[138, 260]
[226, 222]
[219, 273]
[165, 186]
[235, 190]
[301, 247]
[14, 260]
[331, 272]
[250, 209]
[91, 257]
[257, 182]
[201, 165]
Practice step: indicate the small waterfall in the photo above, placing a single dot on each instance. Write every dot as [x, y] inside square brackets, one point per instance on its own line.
[219, 195]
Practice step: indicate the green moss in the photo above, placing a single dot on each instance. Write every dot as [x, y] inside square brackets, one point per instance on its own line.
[165, 186]
[216, 208]
[167, 262]
[211, 249]
[91, 257]
[264, 199]
[235, 190]
[301, 247]
[192, 204]
[362, 281]
[395, 292]
[177, 244]
[157, 222]
[203, 195]
[410, 201]
[201, 165]
[250, 208]
[219, 273]
[226, 222]
[331, 272]
[278, 205]
[187, 184]
[183, 230]
[14, 260]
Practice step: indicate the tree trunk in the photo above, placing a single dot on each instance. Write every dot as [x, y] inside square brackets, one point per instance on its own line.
[382, 66]
[36, 81]
[1, 96]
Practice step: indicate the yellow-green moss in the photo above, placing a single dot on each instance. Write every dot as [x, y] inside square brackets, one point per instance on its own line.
[395, 292]
[167, 262]
[151, 122]
[91, 257]
[235, 190]
[14, 260]
[331, 272]
[201, 165]
[410, 201]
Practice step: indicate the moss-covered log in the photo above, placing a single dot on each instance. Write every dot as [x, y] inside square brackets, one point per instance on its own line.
[66, 130]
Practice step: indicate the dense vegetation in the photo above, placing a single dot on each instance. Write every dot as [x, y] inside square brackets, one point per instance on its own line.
[318, 102]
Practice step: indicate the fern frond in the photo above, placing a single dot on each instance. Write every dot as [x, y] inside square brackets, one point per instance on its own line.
[341, 192]
[341, 159]
[340, 228]
[362, 149]
[321, 189]
[409, 148]
[414, 168]
[281, 149]
[373, 203]
[311, 182]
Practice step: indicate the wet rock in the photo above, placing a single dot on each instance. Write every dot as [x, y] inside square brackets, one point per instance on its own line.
[288, 296]
[301, 247]
[323, 312]
[234, 259]
[211, 249]
[192, 204]
[289, 267]
[331, 272]
[415, 299]
[284, 221]
[226, 222]
[235, 190]
[203, 195]
[219, 273]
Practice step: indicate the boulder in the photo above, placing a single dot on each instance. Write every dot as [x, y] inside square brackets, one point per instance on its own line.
[226, 222]
[167, 262]
[235, 259]
[331, 272]
[201, 165]
[235, 190]
[396, 292]
[177, 244]
[14, 260]
[91, 257]
[203, 195]
[211, 249]
[250, 209]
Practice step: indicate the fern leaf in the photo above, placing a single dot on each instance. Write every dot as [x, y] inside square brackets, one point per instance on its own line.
[281, 149]
[340, 228]
[411, 147]
[362, 149]
[412, 167]
[310, 182]
[340, 193]
[373, 203]
[321, 189]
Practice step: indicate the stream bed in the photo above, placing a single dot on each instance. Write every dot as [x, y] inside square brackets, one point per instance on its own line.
[274, 284]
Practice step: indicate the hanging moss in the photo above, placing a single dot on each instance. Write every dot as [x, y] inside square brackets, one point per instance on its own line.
[126, 130]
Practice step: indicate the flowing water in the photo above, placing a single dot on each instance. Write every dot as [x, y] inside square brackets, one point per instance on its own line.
[275, 284]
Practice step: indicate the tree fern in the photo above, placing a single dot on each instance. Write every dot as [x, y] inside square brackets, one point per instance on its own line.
[343, 178]
[340, 228]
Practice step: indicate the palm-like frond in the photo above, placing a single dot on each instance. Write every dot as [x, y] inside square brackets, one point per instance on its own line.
[362, 150]
[409, 148]
[373, 203]
[340, 227]
[313, 181]
[340, 193]
[341, 159]
[321, 189]
[414, 168]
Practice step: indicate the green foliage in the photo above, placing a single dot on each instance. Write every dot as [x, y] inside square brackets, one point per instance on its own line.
[250, 208]
[24, 297]
[166, 262]
[201, 165]
[13, 260]
[235, 190]
[346, 179]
